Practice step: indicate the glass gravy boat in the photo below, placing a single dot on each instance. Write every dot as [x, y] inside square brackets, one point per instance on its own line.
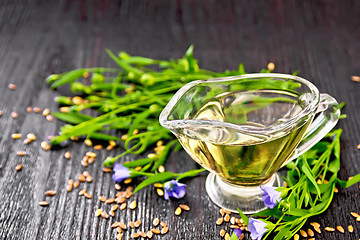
[243, 129]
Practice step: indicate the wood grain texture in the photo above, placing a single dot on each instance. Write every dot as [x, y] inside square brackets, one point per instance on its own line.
[318, 38]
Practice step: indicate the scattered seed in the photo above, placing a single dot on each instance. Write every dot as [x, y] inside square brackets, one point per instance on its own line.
[160, 192]
[227, 211]
[131, 224]
[317, 229]
[138, 168]
[114, 207]
[220, 221]
[107, 170]
[133, 205]
[271, 66]
[156, 231]
[109, 147]
[98, 213]
[128, 180]
[81, 178]
[16, 135]
[161, 169]
[102, 199]
[12, 86]
[37, 109]
[31, 136]
[104, 215]
[18, 167]
[135, 235]
[222, 232]
[1, 113]
[351, 228]
[67, 155]
[329, 229]
[46, 112]
[149, 234]
[178, 211]
[124, 137]
[50, 118]
[111, 213]
[232, 220]
[142, 234]
[76, 184]
[112, 143]
[156, 222]
[50, 193]
[227, 217]
[310, 232]
[115, 224]
[69, 187]
[110, 200]
[122, 225]
[340, 229]
[336, 190]
[14, 115]
[227, 236]
[98, 147]
[87, 195]
[29, 109]
[184, 207]
[43, 203]
[164, 230]
[82, 192]
[358, 219]
[222, 211]
[234, 226]
[27, 141]
[296, 237]
[88, 142]
[303, 233]
[158, 185]
[137, 223]
[354, 214]
[45, 146]
[123, 206]
[355, 78]
[21, 153]
[117, 187]
[89, 179]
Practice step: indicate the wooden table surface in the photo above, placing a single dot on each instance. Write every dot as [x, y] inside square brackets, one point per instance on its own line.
[320, 39]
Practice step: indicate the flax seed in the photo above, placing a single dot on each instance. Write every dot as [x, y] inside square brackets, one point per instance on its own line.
[50, 193]
[227, 236]
[131, 224]
[37, 109]
[16, 135]
[138, 168]
[76, 184]
[137, 223]
[91, 154]
[120, 200]
[89, 179]
[296, 237]
[104, 215]
[87, 195]
[222, 211]
[46, 112]
[117, 187]
[31, 136]
[271, 66]
[98, 213]
[135, 235]
[109, 147]
[64, 109]
[133, 205]
[358, 146]
[161, 169]
[102, 199]
[340, 229]
[127, 181]
[184, 207]
[111, 213]
[336, 190]
[29, 109]
[114, 207]
[45, 146]
[354, 214]
[232, 220]
[122, 225]
[310, 232]
[88, 142]
[156, 222]
[84, 163]
[110, 200]
[50, 118]
[227, 217]
[220, 221]
[91, 160]
[234, 226]
[18, 167]
[27, 141]
[303, 233]
[149, 234]
[115, 224]
[163, 224]
[21, 153]
[107, 170]
[12, 86]
[351, 228]
[156, 231]
[222, 233]
[355, 78]
[43, 203]
[227, 211]
[14, 115]
[122, 206]
[81, 178]
[164, 230]
[315, 224]
[82, 192]
[124, 137]
[178, 211]
[158, 185]
[98, 147]
[160, 192]
[329, 229]
[358, 219]
[142, 234]
[67, 155]
[69, 187]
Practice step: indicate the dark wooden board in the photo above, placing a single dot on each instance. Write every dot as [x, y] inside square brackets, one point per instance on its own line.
[320, 39]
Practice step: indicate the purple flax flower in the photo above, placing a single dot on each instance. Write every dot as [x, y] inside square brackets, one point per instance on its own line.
[257, 228]
[174, 189]
[270, 196]
[120, 172]
[238, 232]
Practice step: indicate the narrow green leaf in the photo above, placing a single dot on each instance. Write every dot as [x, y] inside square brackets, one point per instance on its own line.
[137, 163]
[72, 117]
[160, 177]
[355, 179]
[190, 173]
[305, 168]
[244, 217]
[68, 77]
